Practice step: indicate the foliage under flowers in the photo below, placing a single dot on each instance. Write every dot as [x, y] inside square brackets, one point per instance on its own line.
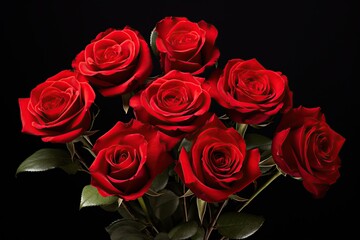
[187, 153]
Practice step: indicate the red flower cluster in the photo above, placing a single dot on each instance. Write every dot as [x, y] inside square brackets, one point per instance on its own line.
[190, 122]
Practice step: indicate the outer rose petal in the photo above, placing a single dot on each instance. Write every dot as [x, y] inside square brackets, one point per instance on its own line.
[199, 178]
[58, 109]
[176, 103]
[184, 170]
[305, 147]
[148, 156]
[201, 52]
[250, 93]
[116, 61]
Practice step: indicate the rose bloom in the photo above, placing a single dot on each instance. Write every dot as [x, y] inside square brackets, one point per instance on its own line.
[250, 93]
[218, 164]
[129, 157]
[305, 147]
[185, 45]
[116, 61]
[58, 109]
[176, 103]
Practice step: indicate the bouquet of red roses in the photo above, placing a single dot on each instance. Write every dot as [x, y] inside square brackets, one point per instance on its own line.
[186, 151]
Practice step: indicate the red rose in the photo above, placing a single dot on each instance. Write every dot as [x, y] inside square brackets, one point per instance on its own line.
[305, 147]
[186, 46]
[176, 103]
[218, 164]
[250, 93]
[116, 61]
[58, 109]
[129, 157]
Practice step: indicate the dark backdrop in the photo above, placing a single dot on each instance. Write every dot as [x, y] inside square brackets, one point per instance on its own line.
[314, 43]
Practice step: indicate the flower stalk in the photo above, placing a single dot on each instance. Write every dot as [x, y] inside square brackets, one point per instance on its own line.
[185, 204]
[277, 174]
[144, 208]
[213, 223]
[87, 144]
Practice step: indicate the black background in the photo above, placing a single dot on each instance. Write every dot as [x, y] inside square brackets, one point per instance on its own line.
[314, 43]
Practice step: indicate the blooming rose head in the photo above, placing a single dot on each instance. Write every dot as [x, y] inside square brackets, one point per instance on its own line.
[129, 157]
[250, 93]
[185, 45]
[176, 103]
[116, 61]
[58, 109]
[305, 147]
[217, 165]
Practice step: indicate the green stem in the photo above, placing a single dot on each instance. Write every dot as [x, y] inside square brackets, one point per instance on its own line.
[82, 163]
[86, 141]
[185, 205]
[127, 210]
[144, 208]
[88, 145]
[212, 226]
[277, 174]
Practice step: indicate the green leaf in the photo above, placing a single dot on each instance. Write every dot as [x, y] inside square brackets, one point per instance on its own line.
[153, 36]
[186, 144]
[113, 207]
[162, 236]
[152, 193]
[164, 205]
[199, 235]
[91, 197]
[160, 181]
[46, 159]
[126, 229]
[265, 154]
[254, 140]
[237, 225]
[128, 234]
[119, 223]
[183, 231]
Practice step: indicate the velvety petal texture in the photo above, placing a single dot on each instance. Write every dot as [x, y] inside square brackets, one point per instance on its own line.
[306, 147]
[128, 158]
[250, 93]
[115, 62]
[185, 45]
[218, 163]
[176, 103]
[58, 110]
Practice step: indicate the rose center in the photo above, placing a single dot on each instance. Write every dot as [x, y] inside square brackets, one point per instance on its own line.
[122, 156]
[112, 52]
[219, 158]
[52, 102]
[172, 100]
[184, 40]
